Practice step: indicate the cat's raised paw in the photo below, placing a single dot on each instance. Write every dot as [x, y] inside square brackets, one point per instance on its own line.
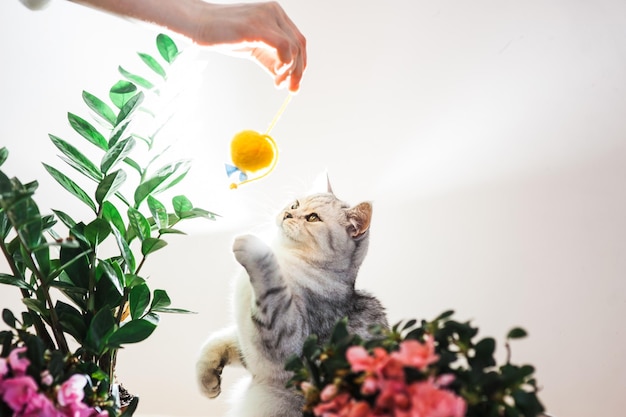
[209, 379]
[249, 248]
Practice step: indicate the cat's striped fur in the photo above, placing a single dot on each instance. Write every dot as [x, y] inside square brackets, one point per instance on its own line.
[304, 284]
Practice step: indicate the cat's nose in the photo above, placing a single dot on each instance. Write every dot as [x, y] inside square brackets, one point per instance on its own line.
[287, 215]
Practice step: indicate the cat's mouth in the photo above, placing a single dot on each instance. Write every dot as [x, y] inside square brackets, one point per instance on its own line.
[288, 228]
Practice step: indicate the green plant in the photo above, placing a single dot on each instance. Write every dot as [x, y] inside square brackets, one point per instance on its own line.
[69, 285]
[412, 370]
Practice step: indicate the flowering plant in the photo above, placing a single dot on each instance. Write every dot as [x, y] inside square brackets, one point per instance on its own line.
[52, 387]
[70, 283]
[434, 369]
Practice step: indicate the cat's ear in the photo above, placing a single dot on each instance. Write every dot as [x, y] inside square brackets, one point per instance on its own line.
[359, 217]
[329, 189]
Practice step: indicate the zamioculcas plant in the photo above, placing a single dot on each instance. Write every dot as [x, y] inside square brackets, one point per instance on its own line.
[83, 305]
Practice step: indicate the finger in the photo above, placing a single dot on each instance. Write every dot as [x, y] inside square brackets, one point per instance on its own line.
[297, 70]
[267, 58]
[296, 76]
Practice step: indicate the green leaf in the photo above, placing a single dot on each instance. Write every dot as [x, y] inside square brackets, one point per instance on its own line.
[527, 402]
[97, 231]
[16, 282]
[68, 288]
[5, 225]
[132, 332]
[198, 212]
[130, 107]
[139, 224]
[152, 244]
[150, 185]
[65, 219]
[70, 186]
[133, 280]
[125, 251]
[340, 332]
[28, 221]
[171, 231]
[140, 81]
[113, 274]
[8, 317]
[71, 320]
[310, 348]
[173, 310]
[4, 154]
[409, 324]
[152, 63]
[86, 130]
[37, 306]
[167, 48]
[112, 215]
[100, 329]
[516, 333]
[131, 163]
[117, 132]
[139, 299]
[121, 92]
[109, 185]
[117, 153]
[445, 315]
[183, 172]
[76, 159]
[159, 212]
[160, 299]
[99, 107]
[181, 205]
[483, 354]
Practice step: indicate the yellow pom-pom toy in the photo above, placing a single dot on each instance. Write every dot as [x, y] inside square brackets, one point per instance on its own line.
[254, 152]
[251, 152]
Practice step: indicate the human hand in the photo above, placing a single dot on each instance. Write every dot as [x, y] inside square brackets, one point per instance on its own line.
[262, 30]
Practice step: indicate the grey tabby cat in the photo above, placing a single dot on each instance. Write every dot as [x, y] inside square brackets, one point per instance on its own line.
[302, 285]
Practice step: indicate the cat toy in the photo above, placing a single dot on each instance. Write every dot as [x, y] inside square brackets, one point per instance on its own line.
[254, 153]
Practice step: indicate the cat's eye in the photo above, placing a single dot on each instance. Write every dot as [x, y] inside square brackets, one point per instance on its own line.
[313, 217]
[295, 205]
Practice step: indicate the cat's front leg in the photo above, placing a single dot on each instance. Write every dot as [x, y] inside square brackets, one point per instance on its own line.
[261, 265]
[253, 254]
[220, 349]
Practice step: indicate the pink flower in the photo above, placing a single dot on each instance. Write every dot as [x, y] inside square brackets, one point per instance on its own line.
[415, 354]
[71, 391]
[343, 405]
[39, 406]
[393, 369]
[375, 364]
[333, 407]
[444, 380]
[369, 386]
[18, 391]
[328, 393]
[358, 409]
[429, 401]
[18, 365]
[46, 378]
[361, 360]
[80, 409]
[392, 391]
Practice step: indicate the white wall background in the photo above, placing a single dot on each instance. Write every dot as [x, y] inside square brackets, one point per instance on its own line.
[490, 136]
